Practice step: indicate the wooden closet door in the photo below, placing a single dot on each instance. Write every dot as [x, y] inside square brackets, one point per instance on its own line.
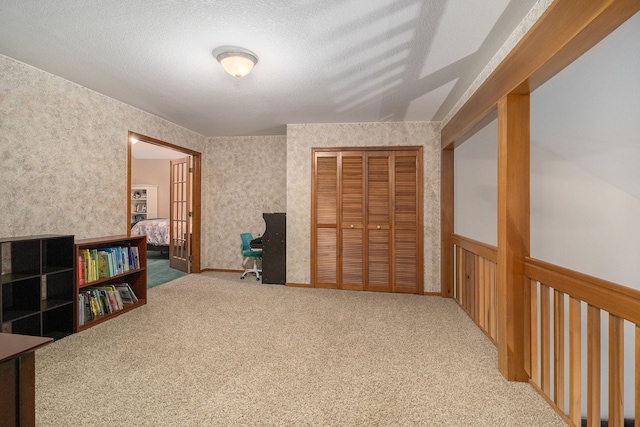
[325, 220]
[352, 220]
[407, 236]
[367, 220]
[378, 221]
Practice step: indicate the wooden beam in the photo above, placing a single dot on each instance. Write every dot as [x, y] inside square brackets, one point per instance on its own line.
[566, 30]
[446, 223]
[513, 232]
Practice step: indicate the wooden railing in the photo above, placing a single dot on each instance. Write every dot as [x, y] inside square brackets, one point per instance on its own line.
[475, 288]
[550, 290]
[564, 308]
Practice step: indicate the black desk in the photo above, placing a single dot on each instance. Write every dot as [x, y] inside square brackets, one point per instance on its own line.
[274, 248]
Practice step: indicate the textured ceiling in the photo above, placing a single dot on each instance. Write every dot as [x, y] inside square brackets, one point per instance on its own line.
[326, 61]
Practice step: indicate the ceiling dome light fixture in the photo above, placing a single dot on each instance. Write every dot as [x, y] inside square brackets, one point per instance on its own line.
[235, 60]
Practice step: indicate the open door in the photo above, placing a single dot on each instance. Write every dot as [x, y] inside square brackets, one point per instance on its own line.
[180, 215]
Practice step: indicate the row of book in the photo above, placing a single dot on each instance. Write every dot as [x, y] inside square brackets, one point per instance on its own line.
[95, 301]
[96, 264]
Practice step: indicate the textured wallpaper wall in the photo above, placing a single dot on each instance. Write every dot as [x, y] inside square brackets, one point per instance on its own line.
[63, 168]
[242, 178]
[63, 154]
[302, 137]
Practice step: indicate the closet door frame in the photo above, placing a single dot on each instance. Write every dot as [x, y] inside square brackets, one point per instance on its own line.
[339, 224]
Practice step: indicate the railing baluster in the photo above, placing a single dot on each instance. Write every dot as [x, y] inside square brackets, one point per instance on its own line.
[593, 366]
[575, 328]
[545, 340]
[558, 349]
[616, 371]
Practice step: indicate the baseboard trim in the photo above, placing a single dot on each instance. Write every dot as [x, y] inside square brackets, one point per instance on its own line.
[298, 285]
[221, 270]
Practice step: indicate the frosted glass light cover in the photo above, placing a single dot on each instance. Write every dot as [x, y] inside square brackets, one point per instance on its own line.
[237, 64]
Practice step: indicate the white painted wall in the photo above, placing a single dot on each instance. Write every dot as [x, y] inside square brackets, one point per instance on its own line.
[582, 222]
[476, 186]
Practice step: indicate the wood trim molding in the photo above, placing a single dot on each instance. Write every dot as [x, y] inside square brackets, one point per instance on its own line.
[446, 222]
[366, 148]
[299, 285]
[150, 140]
[197, 192]
[615, 299]
[483, 250]
[566, 30]
[550, 402]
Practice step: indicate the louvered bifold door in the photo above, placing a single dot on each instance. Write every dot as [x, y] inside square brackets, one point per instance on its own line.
[407, 240]
[325, 220]
[352, 220]
[378, 221]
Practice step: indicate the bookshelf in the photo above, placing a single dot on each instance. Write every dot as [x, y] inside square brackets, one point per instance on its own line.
[37, 285]
[136, 278]
[144, 202]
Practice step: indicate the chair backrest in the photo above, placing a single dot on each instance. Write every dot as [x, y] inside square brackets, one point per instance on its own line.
[246, 240]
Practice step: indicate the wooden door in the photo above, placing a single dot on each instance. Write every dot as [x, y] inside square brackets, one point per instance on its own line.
[351, 206]
[378, 221]
[180, 216]
[367, 220]
[407, 214]
[324, 218]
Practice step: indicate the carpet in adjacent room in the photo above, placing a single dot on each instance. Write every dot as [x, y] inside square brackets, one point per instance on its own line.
[158, 270]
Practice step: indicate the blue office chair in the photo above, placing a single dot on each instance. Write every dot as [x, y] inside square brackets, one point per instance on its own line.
[247, 253]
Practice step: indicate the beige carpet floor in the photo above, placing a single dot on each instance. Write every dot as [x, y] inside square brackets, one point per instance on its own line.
[212, 350]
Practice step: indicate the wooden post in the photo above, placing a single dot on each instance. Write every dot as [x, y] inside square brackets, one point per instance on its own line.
[513, 232]
[446, 223]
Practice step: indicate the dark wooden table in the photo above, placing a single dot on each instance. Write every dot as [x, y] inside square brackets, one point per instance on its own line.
[18, 379]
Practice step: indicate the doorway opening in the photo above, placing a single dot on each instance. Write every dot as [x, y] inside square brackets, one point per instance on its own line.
[164, 203]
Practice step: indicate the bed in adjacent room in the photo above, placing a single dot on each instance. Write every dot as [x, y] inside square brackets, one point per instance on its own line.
[157, 232]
